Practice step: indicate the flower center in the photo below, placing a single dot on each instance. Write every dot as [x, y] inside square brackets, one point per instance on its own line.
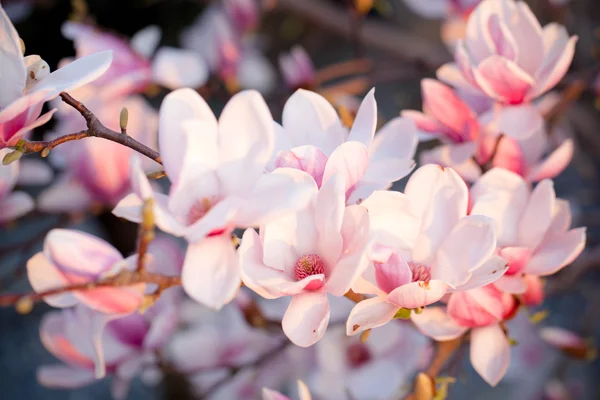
[200, 208]
[357, 354]
[420, 272]
[307, 265]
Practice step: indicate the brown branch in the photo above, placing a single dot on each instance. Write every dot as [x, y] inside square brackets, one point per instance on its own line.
[146, 234]
[95, 128]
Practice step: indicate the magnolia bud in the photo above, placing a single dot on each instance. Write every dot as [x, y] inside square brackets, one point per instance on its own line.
[124, 119]
[11, 157]
[45, 152]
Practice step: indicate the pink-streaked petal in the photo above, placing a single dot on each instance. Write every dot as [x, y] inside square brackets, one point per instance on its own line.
[451, 74]
[113, 300]
[428, 128]
[365, 122]
[306, 158]
[519, 122]
[218, 218]
[517, 257]
[350, 161]
[557, 251]
[370, 313]
[43, 276]
[246, 140]
[178, 106]
[476, 307]
[15, 205]
[210, 271]
[418, 294]
[513, 284]
[509, 156]
[61, 376]
[306, 318]
[490, 353]
[503, 80]
[176, 68]
[537, 216]
[437, 324]
[391, 270]
[554, 164]
[534, 292]
[491, 271]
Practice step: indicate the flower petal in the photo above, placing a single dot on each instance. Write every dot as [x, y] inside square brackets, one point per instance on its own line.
[350, 161]
[369, 313]
[418, 294]
[490, 353]
[492, 270]
[13, 67]
[556, 252]
[365, 121]
[537, 216]
[503, 80]
[306, 158]
[306, 318]
[176, 68]
[43, 276]
[15, 205]
[554, 164]
[437, 324]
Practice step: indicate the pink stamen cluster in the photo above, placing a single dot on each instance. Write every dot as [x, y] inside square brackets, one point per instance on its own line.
[200, 209]
[420, 272]
[307, 265]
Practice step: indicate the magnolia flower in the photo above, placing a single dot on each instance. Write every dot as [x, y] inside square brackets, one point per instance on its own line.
[533, 227]
[471, 140]
[297, 68]
[569, 342]
[313, 140]
[318, 250]
[26, 83]
[507, 56]
[93, 344]
[72, 258]
[132, 69]
[12, 204]
[480, 310]
[303, 393]
[218, 183]
[96, 171]
[379, 369]
[425, 246]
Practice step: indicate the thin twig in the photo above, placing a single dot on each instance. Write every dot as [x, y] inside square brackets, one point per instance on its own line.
[146, 234]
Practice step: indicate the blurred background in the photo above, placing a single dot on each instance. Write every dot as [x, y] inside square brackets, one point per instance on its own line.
[353, 47]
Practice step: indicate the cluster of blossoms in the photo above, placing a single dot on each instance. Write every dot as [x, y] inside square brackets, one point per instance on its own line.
[457, 253]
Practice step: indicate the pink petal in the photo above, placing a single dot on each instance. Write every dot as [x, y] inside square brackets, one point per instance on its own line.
[513, 284]
[490, 353]
[15, 205]
[503, 80]
[43, 276]
[370, 313]
[350, 161]
[537, 216]
[219, 218]
[113, 300]
[446, 156]
[306, 158]
[561, 338]
[34, 172]
[554, 164]
[476, 307]
[437, 324]
[13, 67]
[65, 195]
[145, 41]
[365, 121]
[534, 292]
[306, 318]
[328, 219]
[557, 251]
[54, 330]
[519, 122]
[391, 271]
[178, 106]
[509, 156]
[517, 258]
[531, 46]
[246, 140]
[210, 271]
[558, 57]
[503, 41]
[453, 75]
[492, 270]
[176, 68]
[60, 376]
[418, 294]
[428, 127]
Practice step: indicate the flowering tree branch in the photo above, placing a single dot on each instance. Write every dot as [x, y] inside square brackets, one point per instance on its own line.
[95, 128]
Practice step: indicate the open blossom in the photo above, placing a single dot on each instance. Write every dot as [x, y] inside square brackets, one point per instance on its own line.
[297, 68]
[379, 369]
[303, 393]
[318, 250]
[533, 228]
[425, 246]
[470, 139]
[96, 171]
[509, 57]
[12, 204]
[480, 310]
[218, 183]
[133, 67]
[313, 139]
[26, 83]
[71, 258]
[93, 344]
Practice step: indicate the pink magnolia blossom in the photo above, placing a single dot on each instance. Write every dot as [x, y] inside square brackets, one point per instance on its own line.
[218, 183]
[71, 258]
[297, 68]
[26, 83]
[509, 57]
[96, 171]
[93, 344]
[533, 227]
[303, 393]
[470, 139]
[380, 368]
[480, 310]
[313, 139]
[12, 204]
[133, 69]
[318, 250]
[425, 246]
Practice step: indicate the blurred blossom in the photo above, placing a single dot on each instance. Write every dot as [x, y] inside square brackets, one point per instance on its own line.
[480, 310]
[303, 393]
[26, 83]
[93, 344]
[218, 183]
[297, 68]
[313, 139]
[533, 228]
[569, 342]
[133, 69]
[12, 204]
[96, 170]
[70, 258]
[507, 56]
[421, 242]
[381, 368]
[243, 14]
